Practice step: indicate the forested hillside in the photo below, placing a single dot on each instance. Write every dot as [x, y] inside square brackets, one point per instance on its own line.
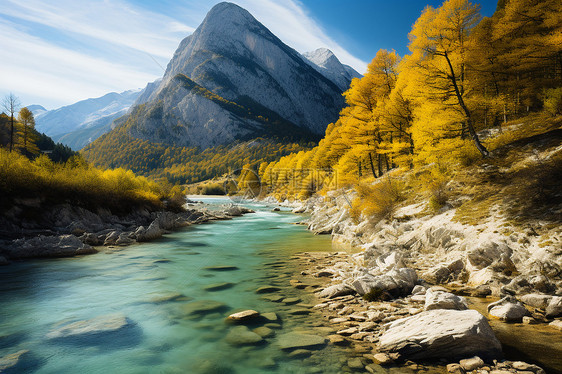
[447, 104]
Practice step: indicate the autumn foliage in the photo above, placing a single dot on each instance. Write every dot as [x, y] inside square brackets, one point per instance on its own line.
[464, 74]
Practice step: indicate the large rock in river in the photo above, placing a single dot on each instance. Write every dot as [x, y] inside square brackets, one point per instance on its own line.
[441, 333]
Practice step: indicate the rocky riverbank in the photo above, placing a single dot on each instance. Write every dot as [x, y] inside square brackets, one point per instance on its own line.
[65, 231]
[394, 323]
[403, 292]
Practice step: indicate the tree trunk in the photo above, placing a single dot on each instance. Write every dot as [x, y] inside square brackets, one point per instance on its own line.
[12, 132]
[372, 165]
[467, 113]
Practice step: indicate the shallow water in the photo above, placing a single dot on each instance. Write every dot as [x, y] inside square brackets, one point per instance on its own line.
[38, 295]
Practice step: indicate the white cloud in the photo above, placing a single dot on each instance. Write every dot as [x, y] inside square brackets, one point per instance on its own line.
[40, 69]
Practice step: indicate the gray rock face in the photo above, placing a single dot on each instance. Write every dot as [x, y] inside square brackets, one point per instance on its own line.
[95, 326]
[48, 246]
[441, 334]
[536, 300]
[233, 79]
[444, 300]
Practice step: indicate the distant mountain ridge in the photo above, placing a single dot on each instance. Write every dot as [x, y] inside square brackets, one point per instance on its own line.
[327, 64]
[80, 123]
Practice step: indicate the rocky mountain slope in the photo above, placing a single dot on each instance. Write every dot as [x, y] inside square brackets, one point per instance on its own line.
[80, 123]
[232, 79]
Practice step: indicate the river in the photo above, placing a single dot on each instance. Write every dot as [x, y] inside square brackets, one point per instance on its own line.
[37, 296]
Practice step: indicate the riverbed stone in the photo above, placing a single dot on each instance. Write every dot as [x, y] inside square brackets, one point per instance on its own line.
[536, 300]
[472, 363]
[291, 300]
[336, 290]
[375, 369]
[270, 316]
[300, 353]
[241, 335]
[508, 309]
[12, 361]
[441, 333]
[218, 286]
[554, 308]
[244, 316]
[355, 363]
[221, 268]
[444, 300]
[293, 340]
[397, 282]
[557, 324]
[264, 332]
[167, 297]
[106, 324]
[268, 289]
[202, 307]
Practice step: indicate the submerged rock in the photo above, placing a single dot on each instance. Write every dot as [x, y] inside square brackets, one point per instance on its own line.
[202, 307]
[221, 268]
[441, 333]
[12, 361]
[268, 289]
[218, 286]
[246, 315]
[294, 340]
[107, 324]
[241, 335]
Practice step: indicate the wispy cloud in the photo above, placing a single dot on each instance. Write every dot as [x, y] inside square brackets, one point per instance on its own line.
[59, 52]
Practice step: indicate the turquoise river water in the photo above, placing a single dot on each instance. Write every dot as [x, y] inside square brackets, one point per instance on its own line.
[38, 295]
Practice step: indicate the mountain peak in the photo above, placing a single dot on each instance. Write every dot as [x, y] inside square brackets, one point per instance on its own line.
[226, 13]
[325, 62]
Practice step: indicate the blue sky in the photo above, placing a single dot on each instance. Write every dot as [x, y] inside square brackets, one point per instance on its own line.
[57, 52]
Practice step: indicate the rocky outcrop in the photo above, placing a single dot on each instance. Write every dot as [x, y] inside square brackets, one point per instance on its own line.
[75, 231]
[48, 246]
[441, 334]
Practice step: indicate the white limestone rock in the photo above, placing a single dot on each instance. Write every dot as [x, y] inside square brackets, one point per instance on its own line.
[441, 333]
